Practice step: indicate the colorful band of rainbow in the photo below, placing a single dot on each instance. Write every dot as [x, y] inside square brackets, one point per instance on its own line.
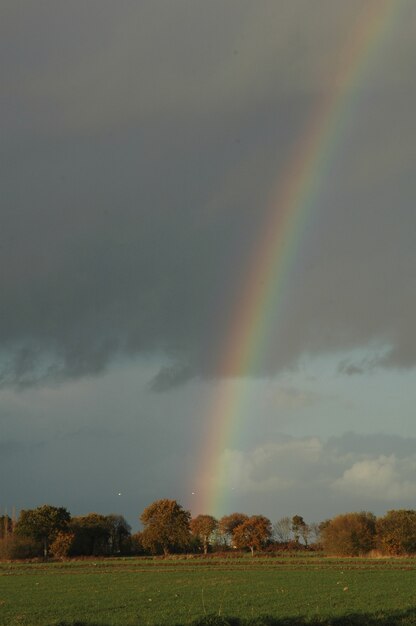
[273, 255]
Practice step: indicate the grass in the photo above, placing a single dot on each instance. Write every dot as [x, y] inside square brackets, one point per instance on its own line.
[289, 590]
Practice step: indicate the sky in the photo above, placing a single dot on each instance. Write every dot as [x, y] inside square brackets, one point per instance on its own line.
[141, 145]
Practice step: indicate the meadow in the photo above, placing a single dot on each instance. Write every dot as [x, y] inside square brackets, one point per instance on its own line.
[236, 591]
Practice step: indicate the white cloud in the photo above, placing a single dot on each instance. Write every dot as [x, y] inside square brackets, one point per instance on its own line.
[384, 478]
[271, 467]
[366, 476]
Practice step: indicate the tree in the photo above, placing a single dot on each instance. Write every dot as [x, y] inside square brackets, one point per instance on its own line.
[62, 545]
[351, 534]
[396, 532]
[229, 523]
[136, 544]
[315, 531]
[120, 532]
[282, 529]
[202, 527]
[253, 533]
[43, 524]
[92, 534]
[322, 525]
[305, 532]
[298, 524]
[19, 547]
[166, 526]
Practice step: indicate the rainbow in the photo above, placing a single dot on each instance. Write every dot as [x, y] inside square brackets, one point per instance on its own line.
[274, 252]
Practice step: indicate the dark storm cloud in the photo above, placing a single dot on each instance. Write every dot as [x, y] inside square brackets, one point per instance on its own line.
[141, 143]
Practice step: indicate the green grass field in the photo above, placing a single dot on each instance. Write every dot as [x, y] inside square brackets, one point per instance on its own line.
[290, 590]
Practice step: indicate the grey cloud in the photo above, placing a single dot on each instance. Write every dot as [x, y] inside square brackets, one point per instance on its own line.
[373, 445]
[90, 65]
[142, 145]
[79, 445]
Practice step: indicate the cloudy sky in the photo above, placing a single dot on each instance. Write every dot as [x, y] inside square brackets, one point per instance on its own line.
[140, 145]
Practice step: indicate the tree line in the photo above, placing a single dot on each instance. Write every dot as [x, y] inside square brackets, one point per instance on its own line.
[169, 528]
[49, 530]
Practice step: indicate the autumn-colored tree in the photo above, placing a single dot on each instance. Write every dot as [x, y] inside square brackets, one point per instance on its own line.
[351, 534]
[166, 526]
[62, 545]
[322, 525]
[229, 523]
[396, 532]
[253, 533]
[43, 524]
[202, 527]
